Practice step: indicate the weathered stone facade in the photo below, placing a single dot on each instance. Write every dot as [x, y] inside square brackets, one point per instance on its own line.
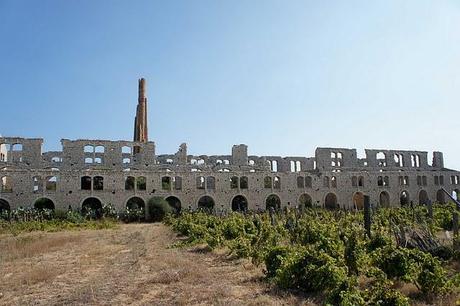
[114, 174]
[92, 172]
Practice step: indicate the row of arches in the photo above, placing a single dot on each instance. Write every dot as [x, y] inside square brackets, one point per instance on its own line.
[240, 202]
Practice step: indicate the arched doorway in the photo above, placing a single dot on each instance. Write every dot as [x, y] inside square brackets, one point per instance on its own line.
[206, 203]
[4, 206]
[404, 198]
[44, 203]
[135, 203]
[423, 197]
[440, 197]
[305, 200]
[273, 201]
[174, 203]
[239, 203]
[93, 207]
[330, 202]
[384, 199]
[358, 200]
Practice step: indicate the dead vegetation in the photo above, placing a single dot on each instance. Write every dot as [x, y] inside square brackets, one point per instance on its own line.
[132, 264]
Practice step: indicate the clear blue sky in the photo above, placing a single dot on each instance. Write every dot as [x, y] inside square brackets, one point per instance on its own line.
[281, 76]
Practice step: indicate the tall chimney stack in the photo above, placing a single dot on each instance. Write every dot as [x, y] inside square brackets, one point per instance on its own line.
[140, 122]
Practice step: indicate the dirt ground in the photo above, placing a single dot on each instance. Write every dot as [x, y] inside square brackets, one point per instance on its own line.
[133, 264]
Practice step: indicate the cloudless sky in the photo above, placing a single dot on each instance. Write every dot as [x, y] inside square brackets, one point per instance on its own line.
[284, 77]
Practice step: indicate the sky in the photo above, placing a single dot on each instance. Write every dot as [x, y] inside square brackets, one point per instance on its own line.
[283, 77]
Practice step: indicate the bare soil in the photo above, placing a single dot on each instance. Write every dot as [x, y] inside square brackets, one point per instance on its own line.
[133, 264]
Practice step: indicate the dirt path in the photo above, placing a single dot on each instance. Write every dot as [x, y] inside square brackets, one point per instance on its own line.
[129, 265]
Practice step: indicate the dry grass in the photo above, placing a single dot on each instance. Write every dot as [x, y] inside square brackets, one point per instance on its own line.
[26, 246]
[37, 274]
[132, 264]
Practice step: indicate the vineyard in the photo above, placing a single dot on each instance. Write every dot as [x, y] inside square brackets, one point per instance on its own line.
[329, 255]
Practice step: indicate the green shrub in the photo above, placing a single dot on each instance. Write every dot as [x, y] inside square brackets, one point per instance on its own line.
[274, 259]
[432, 279]
[60, 214]
[310, 270]
[158, 208]
[387, 297]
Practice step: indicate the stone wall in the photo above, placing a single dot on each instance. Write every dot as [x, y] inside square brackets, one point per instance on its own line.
[27, 174]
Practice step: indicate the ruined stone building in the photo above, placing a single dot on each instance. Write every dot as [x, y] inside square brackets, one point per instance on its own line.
[127, 173]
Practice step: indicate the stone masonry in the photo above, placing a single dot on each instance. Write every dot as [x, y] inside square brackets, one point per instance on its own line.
[94, 172]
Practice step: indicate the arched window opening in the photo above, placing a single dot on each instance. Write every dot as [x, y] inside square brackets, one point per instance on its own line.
[274, 166]
[88, 149]
[234, 182]
[210, 183]
[7, 184]
[98, 160]
[292, 163]
[141, 182]
[51, 183]
[98, 183]
[85, 183]
[300, 182]
[200, 182]
[267, 182]
[129, 182]
[399, 160]
[126, 161]
[326, 181]
[38, 184]
[381, 159]
[277, 182]
[166, 183]
[333, 182]
[308, 181]
[244, 182]
[99, 149]
[361, 181]
[177, 183]
[88, 160]
[126, 150]
[17, 147]
[298, 167]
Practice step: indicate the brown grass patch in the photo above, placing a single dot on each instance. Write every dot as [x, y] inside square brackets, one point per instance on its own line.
[38, 274]
[29, 246]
